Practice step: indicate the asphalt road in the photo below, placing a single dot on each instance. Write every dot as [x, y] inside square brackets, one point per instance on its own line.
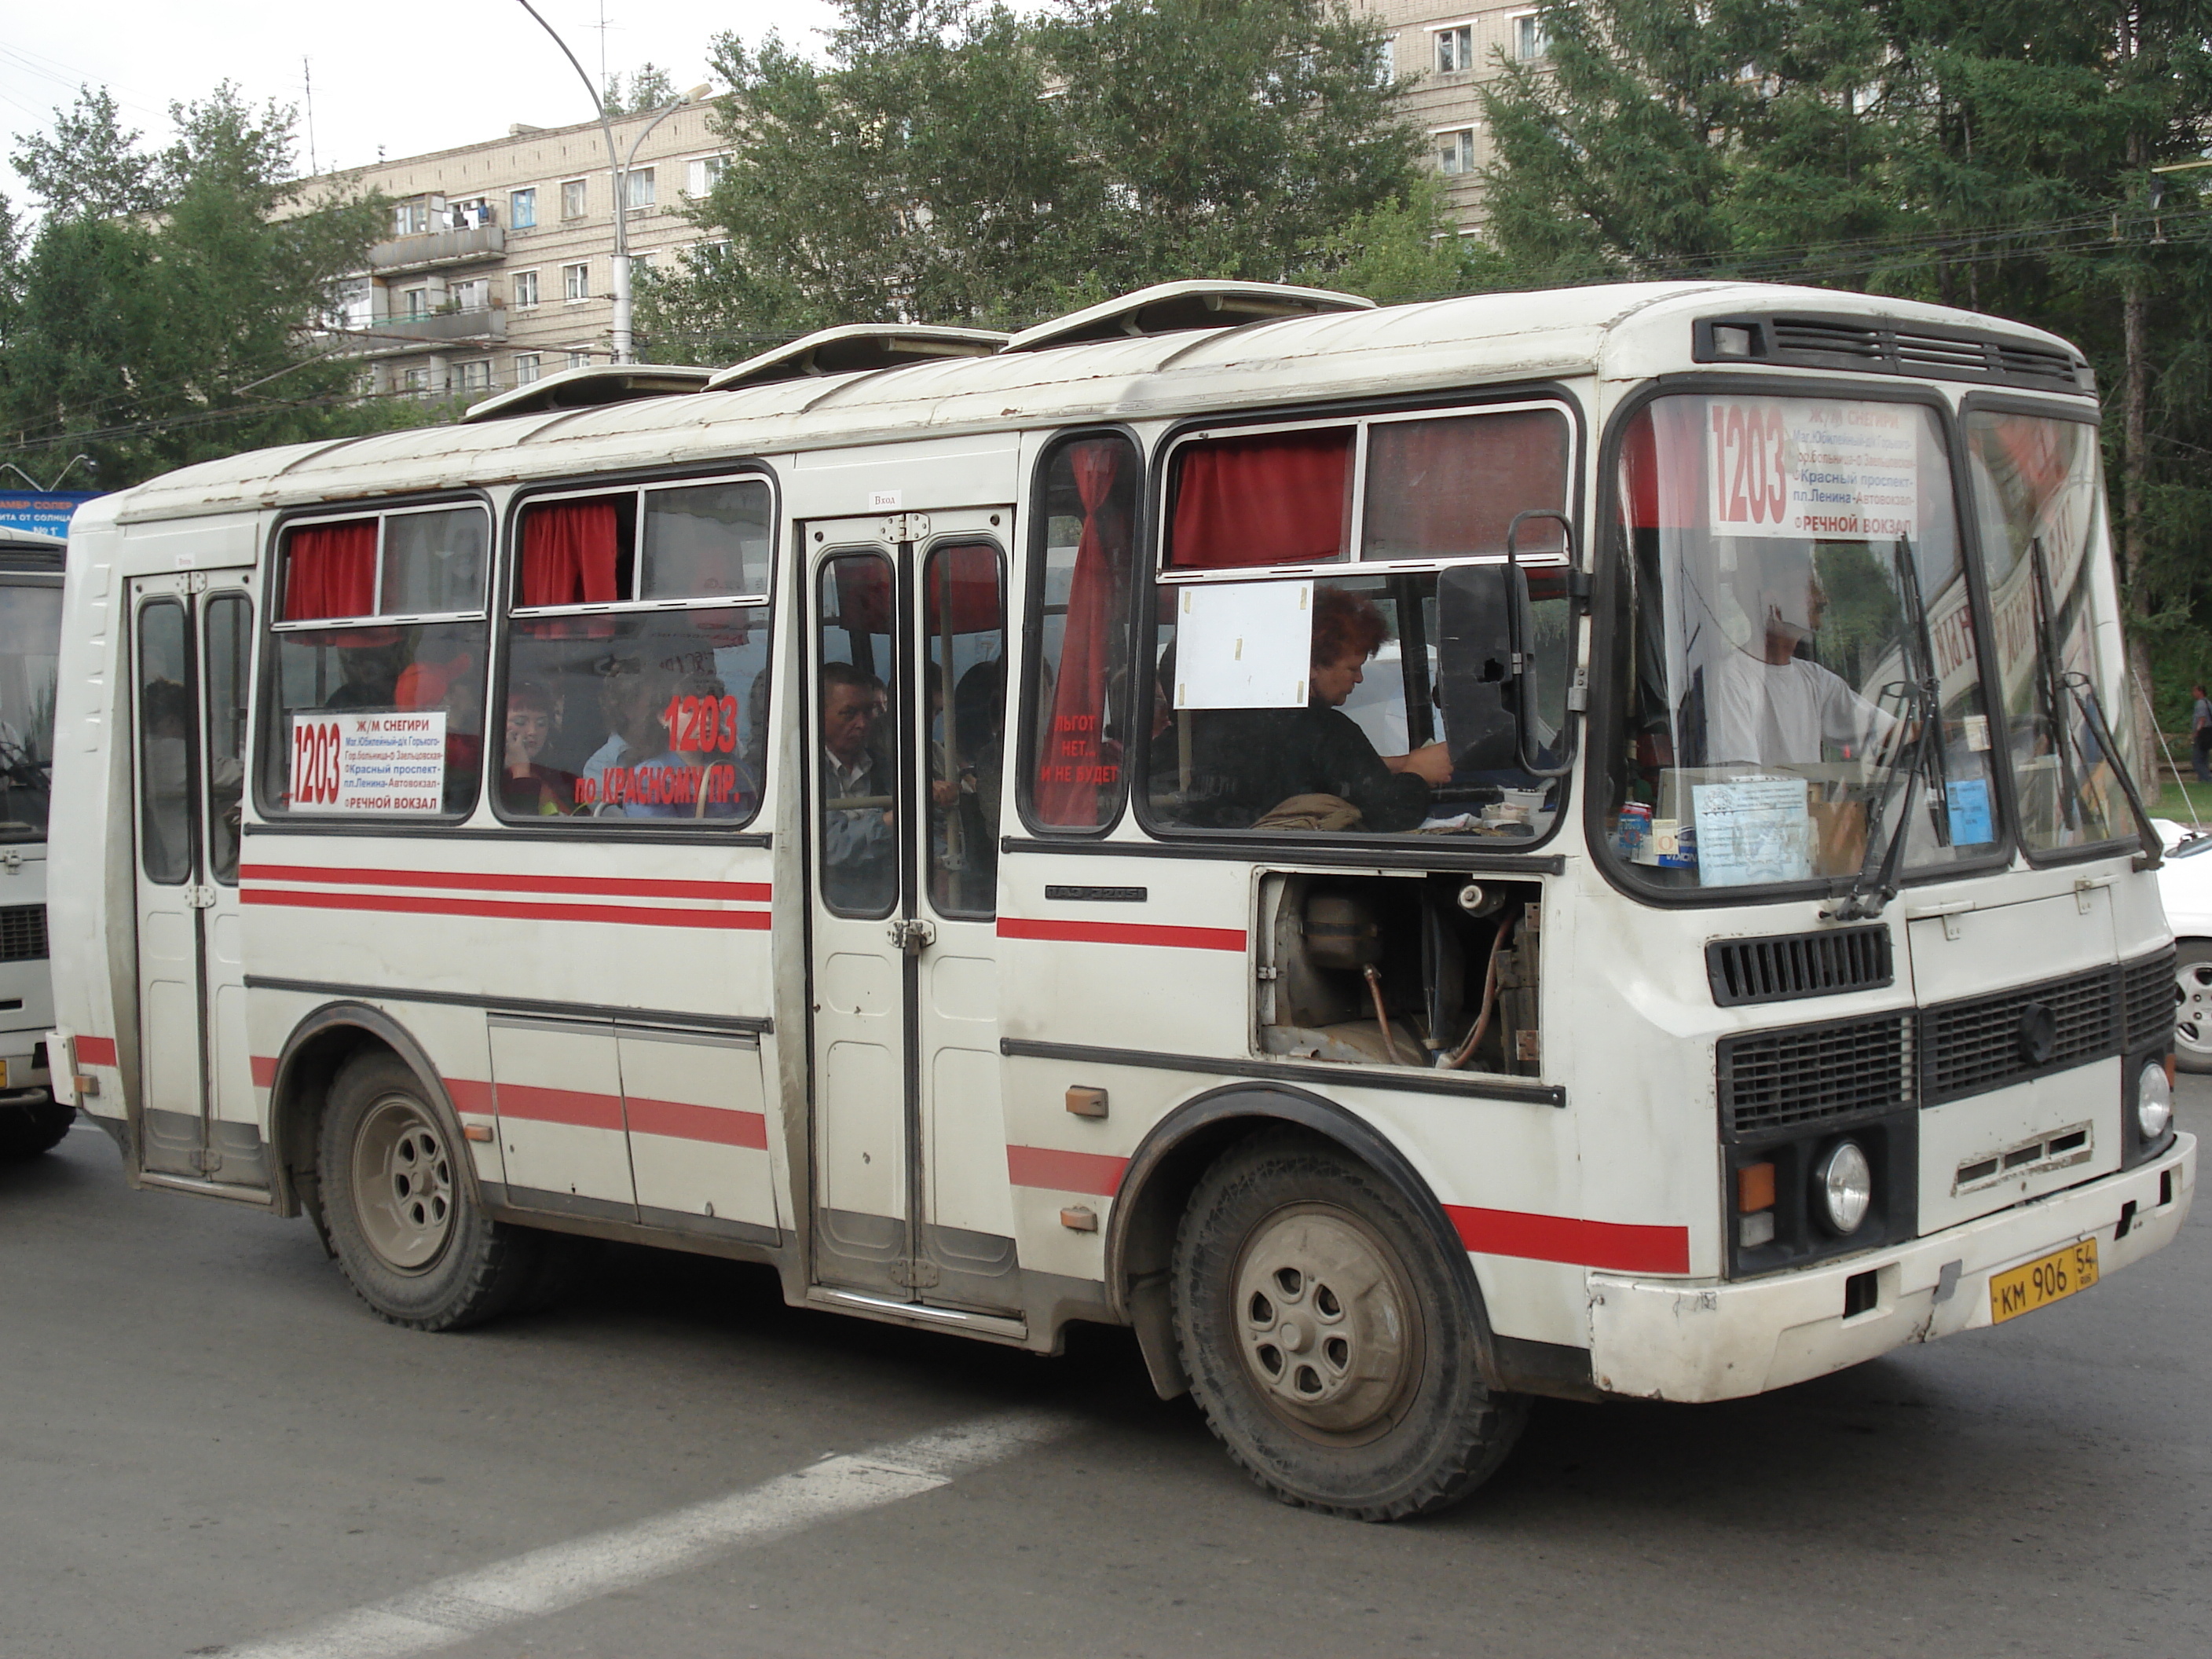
[207, 1446]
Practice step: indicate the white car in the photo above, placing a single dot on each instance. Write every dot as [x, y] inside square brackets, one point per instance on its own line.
[2184, 884]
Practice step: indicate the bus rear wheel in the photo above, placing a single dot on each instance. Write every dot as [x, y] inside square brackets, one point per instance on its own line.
[408, 1233]
[1328, 1338]
[30, 1127]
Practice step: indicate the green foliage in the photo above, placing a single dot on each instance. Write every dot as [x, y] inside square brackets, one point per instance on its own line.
[164, 310]
[955, 162]
[650, 89]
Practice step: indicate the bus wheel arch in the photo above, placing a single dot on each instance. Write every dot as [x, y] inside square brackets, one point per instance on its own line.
[1175, 1157]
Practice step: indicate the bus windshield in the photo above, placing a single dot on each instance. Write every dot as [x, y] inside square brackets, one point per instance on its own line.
[30, 634]
[1793, 615]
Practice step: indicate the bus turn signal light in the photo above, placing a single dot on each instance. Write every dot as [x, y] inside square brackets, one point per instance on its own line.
[1754, 1187]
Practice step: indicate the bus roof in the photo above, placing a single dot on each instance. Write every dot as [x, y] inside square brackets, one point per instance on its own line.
[1622, 331]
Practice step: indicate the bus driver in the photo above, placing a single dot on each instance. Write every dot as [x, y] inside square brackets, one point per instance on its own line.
[1769, 706]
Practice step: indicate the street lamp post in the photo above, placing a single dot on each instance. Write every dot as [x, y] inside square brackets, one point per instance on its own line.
[618, 170]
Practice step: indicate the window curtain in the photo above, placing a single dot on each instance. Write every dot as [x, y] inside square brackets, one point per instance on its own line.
[1283, 498]
[1074, 785]
[570, 552]
[1663, 465]
[330, 570]
[1441, 489]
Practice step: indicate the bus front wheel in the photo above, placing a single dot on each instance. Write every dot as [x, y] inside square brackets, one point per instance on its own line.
[402, 1215]
[1328, 1339]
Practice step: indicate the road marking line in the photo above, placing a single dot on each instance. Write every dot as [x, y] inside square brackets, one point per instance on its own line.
[560, 1575]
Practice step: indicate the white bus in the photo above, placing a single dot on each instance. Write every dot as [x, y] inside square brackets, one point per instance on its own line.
[1560, 843]
[31, 1120]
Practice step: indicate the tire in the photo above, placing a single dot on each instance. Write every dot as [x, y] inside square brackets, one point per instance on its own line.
[33, 1128]
[1332, 1344]
[2192, 1011]
[410, 1235]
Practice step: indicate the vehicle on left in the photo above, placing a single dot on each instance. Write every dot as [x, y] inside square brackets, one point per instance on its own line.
[31, 1120]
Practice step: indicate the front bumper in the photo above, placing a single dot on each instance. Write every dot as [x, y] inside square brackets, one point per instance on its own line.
[1668, 1339]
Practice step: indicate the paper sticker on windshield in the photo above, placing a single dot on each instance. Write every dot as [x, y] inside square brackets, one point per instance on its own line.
[1757, 829]
[1244, 644]
[381, 762]
[1779, 468]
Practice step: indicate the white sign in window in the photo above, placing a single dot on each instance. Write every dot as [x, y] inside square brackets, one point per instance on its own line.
[1782, 469]
[391, 763]
[1244, 644]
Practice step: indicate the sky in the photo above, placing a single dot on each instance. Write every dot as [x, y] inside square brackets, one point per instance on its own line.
[415, 82]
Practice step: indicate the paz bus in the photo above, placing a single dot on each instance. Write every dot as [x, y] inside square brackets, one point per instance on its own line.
[31, 1120]
[1573, 843]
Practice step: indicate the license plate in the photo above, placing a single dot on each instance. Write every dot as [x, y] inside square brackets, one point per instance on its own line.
[2039, 1284]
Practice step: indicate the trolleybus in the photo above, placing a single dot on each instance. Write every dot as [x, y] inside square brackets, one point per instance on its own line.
[31, 1119]
[1571, 843]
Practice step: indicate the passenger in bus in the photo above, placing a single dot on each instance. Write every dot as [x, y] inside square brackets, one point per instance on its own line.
[526, 788]
[1767, 702]
[631, 697]
[454, 686]
[859, 849]
[369, 672]
[693, 776]
[1245, 762]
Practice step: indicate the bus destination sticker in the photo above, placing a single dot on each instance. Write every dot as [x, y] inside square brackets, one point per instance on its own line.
[1779, 468]
[369, 762]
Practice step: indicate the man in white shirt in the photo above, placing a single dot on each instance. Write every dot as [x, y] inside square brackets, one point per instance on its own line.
[860, 850]
[1765, 705]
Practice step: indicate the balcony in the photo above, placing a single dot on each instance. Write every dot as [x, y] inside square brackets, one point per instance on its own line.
[434, 331]
[439, 249]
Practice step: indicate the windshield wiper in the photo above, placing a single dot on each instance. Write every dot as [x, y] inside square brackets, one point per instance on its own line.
[1918, 703]
[2077, 690]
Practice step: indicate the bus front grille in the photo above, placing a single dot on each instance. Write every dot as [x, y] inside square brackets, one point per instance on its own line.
[1783, 967]
[1774, 1079]
[23, 932]
[2150, 1001]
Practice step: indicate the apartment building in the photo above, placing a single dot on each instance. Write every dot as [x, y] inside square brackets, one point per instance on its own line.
[498, 269]
[499, 266]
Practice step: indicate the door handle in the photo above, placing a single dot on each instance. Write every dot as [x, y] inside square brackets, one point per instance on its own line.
[910, 933]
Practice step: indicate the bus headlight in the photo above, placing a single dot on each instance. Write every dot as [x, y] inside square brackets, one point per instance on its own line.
[1842, 1180]
[2153, 1101]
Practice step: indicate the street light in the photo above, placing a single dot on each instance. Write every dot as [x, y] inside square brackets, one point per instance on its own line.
[619, 171]
[48, 489]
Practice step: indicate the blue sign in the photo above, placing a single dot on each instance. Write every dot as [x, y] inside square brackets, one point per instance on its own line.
[46, 514]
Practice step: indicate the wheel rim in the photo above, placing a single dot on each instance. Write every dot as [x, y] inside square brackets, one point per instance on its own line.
[2192, 1011]
[1328, 1329]
[403, 1184]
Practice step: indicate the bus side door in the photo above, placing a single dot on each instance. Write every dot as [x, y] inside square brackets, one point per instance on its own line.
[191, 634]
[906, 706]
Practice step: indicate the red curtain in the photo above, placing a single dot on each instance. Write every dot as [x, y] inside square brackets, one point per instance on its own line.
[971, 572]
[1282, 498]
[569, 553]
[1662, 461]
[330, 570]
[863, 582]
[1071, 752]
[1437, 489]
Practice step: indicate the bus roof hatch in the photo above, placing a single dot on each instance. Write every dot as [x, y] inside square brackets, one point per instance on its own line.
[590, 386]
[1173, 307]
[856, 347]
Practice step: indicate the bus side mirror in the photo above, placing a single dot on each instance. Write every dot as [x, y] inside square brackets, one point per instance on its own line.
[1482, 618]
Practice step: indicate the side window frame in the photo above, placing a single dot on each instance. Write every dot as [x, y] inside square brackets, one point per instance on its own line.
[265, 719]
[505, 610]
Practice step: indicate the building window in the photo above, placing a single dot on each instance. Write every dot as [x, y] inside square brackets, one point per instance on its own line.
[576, 282]
[475, 294]
[702, 173]
[1455, 49]
[525, 367]
[522, 209]
[411, 218]
[1455, 150]
[418, 301]
[579, 360]
[704, 255]
[573, 198]
[416, 382]
[1528, 36]
[525, 290]
[638, 189]
[476, 376]
[471, 215]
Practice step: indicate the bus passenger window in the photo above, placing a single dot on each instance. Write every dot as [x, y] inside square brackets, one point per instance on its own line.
[964, 612]
[165, 745]
[228, 624]
[629, 695]
[1079, 695]
[377, 692]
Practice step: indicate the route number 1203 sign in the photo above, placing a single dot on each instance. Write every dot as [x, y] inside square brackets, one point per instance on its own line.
[1780, 469]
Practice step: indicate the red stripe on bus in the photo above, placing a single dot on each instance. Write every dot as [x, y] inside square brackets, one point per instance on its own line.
[95, 1051]
[469, 1096]
[264, 1071]
[571, 1106]
[1066, 1172]
[1123, 933]
[514, 910]
[613, 886]
[1618, 1246]
[685, 1120]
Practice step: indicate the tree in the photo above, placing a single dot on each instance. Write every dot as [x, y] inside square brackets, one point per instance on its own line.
[186, 326]
[650, 89]
[955, 162]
